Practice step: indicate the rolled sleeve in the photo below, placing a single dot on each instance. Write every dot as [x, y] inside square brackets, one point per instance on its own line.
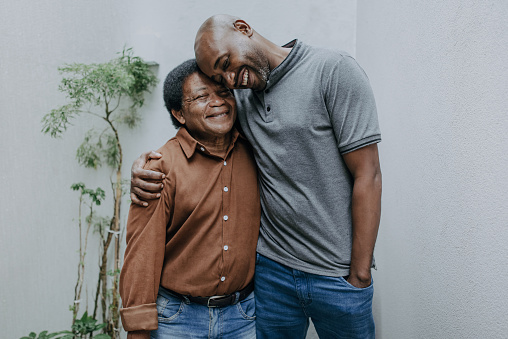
[138, 335]
[141, 317]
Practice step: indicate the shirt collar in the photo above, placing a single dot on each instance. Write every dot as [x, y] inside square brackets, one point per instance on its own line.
[289, 62]
[189, 144]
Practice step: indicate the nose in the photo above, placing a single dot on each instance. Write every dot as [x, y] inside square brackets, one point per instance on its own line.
[216, 100]
[229, 79]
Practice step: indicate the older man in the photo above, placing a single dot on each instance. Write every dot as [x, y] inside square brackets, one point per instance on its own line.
[310, 116]
[190, 257]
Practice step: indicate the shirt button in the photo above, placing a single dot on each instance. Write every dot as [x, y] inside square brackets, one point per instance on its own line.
[268, 108]
[225, 163]
[202, 149]
[226, 247]
[222, 278]
[226, 189]
[225, 217]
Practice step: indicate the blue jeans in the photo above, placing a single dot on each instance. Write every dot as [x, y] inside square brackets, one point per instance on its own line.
[183, 319]
[286, 298]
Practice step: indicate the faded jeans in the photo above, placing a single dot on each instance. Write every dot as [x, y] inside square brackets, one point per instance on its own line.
[183, 319]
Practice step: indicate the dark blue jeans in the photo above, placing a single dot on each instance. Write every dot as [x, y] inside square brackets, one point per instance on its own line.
[286, 298]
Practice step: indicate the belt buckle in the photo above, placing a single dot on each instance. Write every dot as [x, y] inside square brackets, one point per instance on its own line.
[215, 297]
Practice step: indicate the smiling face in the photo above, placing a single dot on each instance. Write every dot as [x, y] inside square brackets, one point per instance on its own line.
[208, 109]
[229, 56]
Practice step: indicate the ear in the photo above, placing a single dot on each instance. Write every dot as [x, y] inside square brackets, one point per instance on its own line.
[178, 116]
[243, 27]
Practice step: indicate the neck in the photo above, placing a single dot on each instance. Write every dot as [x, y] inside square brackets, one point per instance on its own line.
[276, 54]
[218, 145]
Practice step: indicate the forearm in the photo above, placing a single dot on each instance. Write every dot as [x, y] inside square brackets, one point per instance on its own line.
[366, 212]
[143, 261]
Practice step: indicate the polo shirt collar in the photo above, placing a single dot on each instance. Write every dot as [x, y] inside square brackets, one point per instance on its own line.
[291, 60]
[189, 144]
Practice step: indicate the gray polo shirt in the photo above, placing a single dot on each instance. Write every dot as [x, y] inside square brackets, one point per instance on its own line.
[317, 105]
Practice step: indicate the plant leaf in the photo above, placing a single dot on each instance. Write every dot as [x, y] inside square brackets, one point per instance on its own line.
[102, 336]
[55, 122]
[89, 150]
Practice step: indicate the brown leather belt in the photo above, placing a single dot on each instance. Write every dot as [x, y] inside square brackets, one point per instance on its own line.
[217, 300]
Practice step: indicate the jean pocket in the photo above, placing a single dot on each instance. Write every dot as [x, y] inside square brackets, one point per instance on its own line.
[358, 288]
[168, 308]
[247, 307]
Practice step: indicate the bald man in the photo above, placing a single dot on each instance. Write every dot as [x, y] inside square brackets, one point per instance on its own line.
[311, 118]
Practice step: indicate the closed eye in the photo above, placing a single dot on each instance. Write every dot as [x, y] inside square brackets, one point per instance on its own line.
[200, 98]
[218, 79]
[225, 93]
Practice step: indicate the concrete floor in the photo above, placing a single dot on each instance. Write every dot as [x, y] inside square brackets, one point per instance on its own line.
[312, 332]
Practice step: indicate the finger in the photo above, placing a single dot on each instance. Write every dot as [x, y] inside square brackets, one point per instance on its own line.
[147, 174]
[144, 195]
[135, 200]
[154, 155]
[139, 162]
[152, 187]
[144, 157]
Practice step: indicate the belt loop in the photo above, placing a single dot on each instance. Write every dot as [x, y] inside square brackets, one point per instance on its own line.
[237, 298]
[186, 300]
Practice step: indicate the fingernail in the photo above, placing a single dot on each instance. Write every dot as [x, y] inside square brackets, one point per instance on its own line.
[158, 195]
[163, 176]
[145, 204]
[162, 185]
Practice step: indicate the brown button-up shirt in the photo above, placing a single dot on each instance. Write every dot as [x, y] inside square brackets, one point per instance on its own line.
[200, 237]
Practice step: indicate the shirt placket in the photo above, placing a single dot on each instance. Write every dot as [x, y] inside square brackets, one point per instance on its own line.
[227, 221]
[268, 106]
[264, 105]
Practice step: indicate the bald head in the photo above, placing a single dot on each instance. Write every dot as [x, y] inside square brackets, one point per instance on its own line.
[229, 51]
[213, 30]
[217, 22]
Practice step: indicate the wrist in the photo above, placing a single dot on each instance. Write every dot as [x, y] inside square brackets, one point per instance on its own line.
[360, 274]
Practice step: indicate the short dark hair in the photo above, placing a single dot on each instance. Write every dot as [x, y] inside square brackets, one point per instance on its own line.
[173, 87]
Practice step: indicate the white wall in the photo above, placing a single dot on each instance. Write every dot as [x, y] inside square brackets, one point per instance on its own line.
[439, 72]
[38, 236]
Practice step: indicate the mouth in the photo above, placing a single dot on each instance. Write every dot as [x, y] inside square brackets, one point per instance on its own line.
[218, 115]
[243, 78]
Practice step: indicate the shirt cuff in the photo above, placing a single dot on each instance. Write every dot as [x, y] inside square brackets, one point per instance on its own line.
[138, 335]
[360, 143]
[141, 317]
